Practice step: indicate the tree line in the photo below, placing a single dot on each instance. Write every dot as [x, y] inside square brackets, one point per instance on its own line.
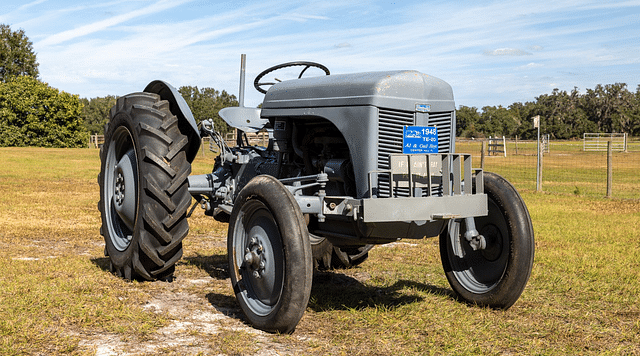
[205, 103]
[32, 113]
[563, 115]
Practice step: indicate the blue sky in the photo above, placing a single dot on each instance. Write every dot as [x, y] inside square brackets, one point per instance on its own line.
[491, 52]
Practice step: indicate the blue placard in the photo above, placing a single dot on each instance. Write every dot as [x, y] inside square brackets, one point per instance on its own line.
[420, 139]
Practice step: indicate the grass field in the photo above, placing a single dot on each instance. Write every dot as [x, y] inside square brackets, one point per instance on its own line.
[58, 297]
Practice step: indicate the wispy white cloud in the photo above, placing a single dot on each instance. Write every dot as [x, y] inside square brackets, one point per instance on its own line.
[8, 16]
[88, 29]
[531, 65]
[303, 17]
[31, 4]
[506, 52]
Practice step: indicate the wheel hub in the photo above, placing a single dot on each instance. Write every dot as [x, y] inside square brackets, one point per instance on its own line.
[254, 258]
[119, 190]
[494, 247]
[124, 189]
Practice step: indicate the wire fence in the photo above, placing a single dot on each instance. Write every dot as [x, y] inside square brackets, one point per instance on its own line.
[566, 167]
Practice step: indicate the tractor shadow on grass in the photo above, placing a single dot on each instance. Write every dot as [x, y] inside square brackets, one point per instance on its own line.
[102, 262]
[333, 290]
[215, 266]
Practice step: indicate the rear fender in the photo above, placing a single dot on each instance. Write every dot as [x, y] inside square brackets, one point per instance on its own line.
[180, 109]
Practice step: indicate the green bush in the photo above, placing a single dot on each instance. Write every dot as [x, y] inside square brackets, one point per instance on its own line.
[34, 114]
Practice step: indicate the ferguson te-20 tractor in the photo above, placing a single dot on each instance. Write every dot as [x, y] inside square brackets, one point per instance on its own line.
[353, 160]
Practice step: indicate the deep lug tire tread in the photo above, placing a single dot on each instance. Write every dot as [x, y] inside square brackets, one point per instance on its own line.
[163, 195]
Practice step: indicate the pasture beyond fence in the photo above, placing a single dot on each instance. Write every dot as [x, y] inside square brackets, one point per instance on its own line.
[566, 167]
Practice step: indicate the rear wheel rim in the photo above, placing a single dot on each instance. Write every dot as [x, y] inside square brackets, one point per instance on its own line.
[120, 188]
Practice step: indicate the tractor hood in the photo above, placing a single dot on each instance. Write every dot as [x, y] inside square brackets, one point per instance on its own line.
[402, 90]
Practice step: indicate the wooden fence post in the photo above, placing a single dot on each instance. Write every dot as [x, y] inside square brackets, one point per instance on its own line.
[482, 154]
[539, 168]
[504, 145]
[609, 170]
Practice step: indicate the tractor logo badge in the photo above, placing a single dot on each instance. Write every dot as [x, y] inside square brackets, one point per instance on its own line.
[423, 107]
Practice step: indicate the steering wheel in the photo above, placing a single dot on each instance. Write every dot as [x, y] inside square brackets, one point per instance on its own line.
[258, 85]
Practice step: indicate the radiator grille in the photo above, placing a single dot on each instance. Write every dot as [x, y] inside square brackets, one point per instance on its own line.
[442, 121]
[390, 126]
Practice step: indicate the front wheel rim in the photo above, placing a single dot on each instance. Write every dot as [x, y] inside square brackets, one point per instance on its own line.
[258, 252]
[480, 271]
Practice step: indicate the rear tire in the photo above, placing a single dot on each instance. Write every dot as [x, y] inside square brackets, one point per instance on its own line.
[144, 193]
[497, 275]
[270, 260]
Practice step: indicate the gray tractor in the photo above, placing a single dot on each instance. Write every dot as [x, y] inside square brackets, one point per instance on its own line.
[353, 160]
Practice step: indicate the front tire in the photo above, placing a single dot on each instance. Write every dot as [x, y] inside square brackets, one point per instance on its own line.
[496, 275]
[144, 193]
[270, 260]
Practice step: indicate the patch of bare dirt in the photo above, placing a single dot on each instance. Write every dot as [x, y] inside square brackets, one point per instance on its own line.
[193, 325]
[200, 321]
